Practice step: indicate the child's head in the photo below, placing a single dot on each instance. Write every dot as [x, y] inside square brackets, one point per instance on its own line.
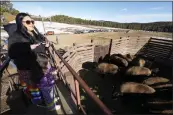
[43, 60]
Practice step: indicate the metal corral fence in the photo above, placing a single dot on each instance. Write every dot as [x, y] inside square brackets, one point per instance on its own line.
[80, 53]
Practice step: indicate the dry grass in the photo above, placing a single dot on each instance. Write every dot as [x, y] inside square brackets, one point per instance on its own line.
[9, 17]
[69, 39]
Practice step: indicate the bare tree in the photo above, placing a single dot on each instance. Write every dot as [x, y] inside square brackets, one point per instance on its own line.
[7, 4]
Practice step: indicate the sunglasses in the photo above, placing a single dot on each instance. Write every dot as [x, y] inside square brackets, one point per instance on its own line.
[29, 22]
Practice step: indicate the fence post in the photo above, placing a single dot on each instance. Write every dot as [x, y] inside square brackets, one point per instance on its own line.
[149, 39]
[110, 46]
[91, 40]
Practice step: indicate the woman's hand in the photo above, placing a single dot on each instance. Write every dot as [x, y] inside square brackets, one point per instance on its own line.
[34, 46]
[47, 44]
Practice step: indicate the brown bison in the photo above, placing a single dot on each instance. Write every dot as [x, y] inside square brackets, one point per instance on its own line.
[118, 60]
[107, 68]
[137, 70]
[132, 87]
[155, 80]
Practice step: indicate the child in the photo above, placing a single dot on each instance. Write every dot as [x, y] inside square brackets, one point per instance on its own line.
[46, 84]
[44, 89]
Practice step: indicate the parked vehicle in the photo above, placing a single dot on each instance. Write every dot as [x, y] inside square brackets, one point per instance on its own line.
[50, 33]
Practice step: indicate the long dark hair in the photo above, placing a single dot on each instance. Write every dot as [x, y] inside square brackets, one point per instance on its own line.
[23, 30]
[20, 28]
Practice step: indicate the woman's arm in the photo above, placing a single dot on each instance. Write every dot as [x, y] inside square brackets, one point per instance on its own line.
[17, 49]
[34, 46]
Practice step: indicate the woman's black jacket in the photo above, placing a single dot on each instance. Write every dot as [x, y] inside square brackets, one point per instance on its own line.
[25, 59]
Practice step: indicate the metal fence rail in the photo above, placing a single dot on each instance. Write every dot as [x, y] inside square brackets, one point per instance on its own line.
[84, 85]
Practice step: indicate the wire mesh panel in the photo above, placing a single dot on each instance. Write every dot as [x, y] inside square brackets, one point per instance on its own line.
[171, 57]
[158, 48]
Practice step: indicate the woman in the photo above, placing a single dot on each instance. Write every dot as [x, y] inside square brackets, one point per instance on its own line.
[24, 45]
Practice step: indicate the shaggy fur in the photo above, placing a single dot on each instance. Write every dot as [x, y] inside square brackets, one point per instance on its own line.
[154, 80]
[141, 62]
[163, 86]
[107, 68]
[137, 62]
[118, 60]
[163, 112]
[132, 87]
[129, 57]
[136, 70]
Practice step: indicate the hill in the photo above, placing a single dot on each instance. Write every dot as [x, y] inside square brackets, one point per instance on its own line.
[153, 26]
[9, 12]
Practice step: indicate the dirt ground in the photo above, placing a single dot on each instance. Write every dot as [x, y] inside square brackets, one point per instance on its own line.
[69, 39]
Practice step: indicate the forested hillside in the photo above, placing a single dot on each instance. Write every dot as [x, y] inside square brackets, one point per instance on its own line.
[155, 26]
[9, 13]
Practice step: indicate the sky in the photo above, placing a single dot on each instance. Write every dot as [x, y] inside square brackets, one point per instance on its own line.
[142, 12]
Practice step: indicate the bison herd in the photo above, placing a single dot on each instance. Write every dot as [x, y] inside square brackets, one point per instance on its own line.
[132, 78]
